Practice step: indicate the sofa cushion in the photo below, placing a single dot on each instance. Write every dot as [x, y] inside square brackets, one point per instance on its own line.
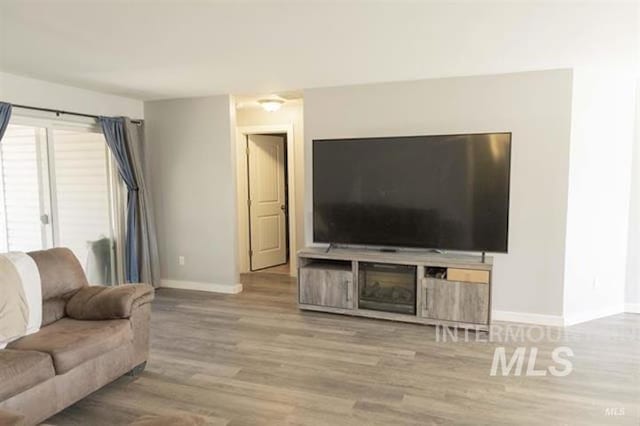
[60, 272]
[71, 342]
[22, 370]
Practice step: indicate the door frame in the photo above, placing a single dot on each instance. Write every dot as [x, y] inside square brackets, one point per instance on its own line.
[242, 192]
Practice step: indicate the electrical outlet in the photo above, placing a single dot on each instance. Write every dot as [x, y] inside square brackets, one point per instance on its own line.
[181, 260]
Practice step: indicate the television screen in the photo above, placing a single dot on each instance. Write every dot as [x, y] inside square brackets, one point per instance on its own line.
[439, 192]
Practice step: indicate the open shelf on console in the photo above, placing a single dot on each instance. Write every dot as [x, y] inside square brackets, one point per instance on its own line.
[328, 264]
[435, 272]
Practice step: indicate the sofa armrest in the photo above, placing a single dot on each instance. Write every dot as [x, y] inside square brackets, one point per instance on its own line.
[11, 419]
[105, 303]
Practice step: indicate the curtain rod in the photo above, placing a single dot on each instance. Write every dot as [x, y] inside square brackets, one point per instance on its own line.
[59, 112]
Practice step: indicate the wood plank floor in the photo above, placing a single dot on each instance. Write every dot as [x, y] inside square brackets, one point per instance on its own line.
[284, 269]
[254, 359]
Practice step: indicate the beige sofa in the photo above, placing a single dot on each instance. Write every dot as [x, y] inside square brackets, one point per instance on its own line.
[90, 336]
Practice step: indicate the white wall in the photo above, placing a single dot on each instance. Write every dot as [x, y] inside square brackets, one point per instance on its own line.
[193, 184]
[535, 106]
[38, 93]
[603, 114]
[632, 299]
[291, 113]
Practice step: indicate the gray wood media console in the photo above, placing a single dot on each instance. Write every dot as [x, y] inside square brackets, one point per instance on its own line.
[424, 288]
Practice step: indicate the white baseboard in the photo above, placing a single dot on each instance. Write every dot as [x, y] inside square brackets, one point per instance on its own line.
[528, 318]
[210, 287]
[632, 308]
[559, 320]
[581, 317]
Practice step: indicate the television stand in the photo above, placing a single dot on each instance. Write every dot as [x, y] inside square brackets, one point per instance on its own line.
[425, 288]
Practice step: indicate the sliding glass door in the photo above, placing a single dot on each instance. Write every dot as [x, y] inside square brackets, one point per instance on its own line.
[24, 206]
[81, 199]
[56, 188]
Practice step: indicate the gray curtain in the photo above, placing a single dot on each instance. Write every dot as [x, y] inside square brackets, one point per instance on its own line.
[149, 259]
[5, 115]
[125, 140]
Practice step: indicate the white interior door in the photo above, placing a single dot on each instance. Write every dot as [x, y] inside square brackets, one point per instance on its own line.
[267, 203]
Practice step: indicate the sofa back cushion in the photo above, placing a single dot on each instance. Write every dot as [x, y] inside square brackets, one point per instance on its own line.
[60, 273]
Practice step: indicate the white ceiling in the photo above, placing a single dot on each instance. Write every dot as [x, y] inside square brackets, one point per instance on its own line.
[164, 49]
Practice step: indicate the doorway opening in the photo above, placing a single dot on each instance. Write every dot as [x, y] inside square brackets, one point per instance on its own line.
[265, 199]
[268, 202]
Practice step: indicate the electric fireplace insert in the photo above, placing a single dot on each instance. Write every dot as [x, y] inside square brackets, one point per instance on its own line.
[388, 288]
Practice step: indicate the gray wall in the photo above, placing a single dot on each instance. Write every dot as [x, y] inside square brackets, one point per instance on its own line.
[193, 184]
[535, 106]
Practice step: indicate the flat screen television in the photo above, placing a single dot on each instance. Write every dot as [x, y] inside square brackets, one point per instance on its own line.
[448, 192]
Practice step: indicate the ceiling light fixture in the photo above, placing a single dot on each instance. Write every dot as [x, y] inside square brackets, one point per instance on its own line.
[271, 105]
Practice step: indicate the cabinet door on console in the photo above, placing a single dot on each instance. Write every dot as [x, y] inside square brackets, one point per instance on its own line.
[326, 287]
[455, 301]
